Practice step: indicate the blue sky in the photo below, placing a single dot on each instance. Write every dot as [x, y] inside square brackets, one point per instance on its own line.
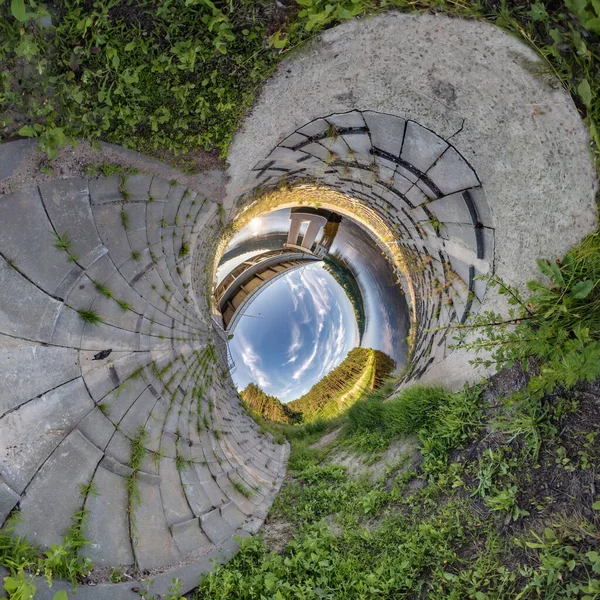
[306, 328]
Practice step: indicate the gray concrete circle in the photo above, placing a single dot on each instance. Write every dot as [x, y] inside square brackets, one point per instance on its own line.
[467, 94]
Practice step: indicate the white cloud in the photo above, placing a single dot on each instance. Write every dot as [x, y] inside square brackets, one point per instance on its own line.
[336, 345]
[296, 290]
[252, 360]
[307, 363]
[295, 345]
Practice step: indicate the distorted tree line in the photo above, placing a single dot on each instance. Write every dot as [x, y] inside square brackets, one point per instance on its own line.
[270, 407]
[325, 397]
[341, 272]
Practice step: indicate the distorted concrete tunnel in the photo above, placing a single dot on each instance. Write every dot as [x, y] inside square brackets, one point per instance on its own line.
[437, 136]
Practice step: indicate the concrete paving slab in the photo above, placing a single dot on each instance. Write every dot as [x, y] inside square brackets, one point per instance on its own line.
[29, 371]
[25, 445]
[216, 528]
[97, 428]
[451, 173]
[189, 537]
[27, 238]
[154, 546]
[105, 190]
[13, 154]
[174, 501]
[67, 202]
[54, 495]
[8, 500]
[107, 521]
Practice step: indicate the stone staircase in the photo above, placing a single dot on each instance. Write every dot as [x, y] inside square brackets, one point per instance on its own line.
[115, 396]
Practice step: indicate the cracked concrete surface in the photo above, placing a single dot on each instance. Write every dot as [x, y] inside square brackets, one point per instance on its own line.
[439, 128]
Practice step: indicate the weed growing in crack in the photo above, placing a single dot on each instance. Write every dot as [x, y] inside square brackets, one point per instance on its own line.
[90, 316]
[184, 250]
[61, 561]
[104, 408]
[242, 489]
[125, 306]
[124, 219]
[63, 242]
[103, 289]
[138, 451]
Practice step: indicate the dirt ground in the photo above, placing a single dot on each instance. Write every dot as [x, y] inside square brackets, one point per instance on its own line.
[35, 168]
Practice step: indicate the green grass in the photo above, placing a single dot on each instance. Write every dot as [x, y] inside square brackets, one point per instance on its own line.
[63, 242]
[412, 410]
[358, 538]
[90, 316]
[491, 517]
[181, 463]
[242, 489]
[125, 306]
[116, 574]
[138, 451]
[182, 77]
[184, 250]
[103, 289]
[124, 219]
[23, 560]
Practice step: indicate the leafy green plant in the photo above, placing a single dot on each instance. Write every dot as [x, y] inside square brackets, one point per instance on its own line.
[173, 591]
[24, 560]
[506, 501]
[372, 501]
[317, 14]
[558, 325]
[19, 586]
[588, 12]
